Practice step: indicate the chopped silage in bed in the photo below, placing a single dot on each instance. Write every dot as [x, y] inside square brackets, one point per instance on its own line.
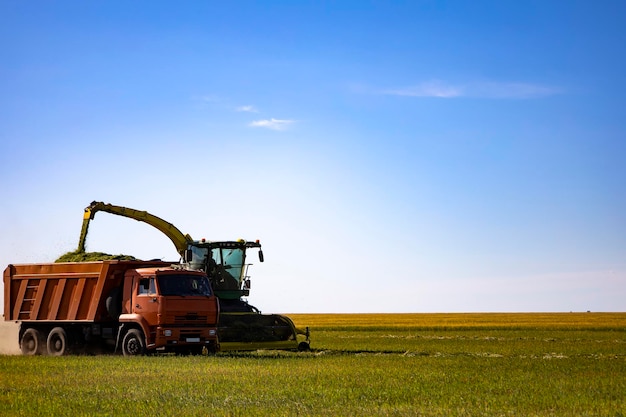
[79, 256]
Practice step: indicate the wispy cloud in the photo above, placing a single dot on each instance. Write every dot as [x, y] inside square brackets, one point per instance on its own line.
[515, 90]
[274, 124]
[209, 98]
[489, 90]
[222, 103]
[247, 108]
[427, 89]
[225, 103]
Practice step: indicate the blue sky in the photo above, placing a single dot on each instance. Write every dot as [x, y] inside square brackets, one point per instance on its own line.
[413, 156]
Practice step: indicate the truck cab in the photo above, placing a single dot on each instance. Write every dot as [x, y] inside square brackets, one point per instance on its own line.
[175, 309]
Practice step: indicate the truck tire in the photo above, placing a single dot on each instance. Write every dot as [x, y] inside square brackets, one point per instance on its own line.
[133, 343]
[57, 342]
[32, 342]
[114, 303]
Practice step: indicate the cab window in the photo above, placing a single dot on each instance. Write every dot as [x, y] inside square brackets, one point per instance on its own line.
[147, 286]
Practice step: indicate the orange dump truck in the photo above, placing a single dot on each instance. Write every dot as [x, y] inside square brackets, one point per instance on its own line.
[132, 306]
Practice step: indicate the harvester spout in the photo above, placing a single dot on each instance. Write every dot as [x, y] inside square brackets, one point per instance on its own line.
[179, 239]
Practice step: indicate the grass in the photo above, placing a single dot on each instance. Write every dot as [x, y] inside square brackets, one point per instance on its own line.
[456, 321]
[361, 365]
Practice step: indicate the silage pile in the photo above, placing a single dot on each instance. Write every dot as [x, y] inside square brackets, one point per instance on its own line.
[79, 256]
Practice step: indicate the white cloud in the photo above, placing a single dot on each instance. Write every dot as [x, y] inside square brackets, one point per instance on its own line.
[247, 108]
[427, 89]
[274, 124]
[491, 90]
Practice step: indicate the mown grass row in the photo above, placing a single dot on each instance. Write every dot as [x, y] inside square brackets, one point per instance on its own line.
[393, 371]
[463, 321]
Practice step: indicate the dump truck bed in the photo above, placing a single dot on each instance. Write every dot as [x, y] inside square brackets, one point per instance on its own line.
[74, 291]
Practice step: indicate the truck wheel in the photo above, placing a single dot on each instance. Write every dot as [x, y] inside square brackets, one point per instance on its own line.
[32, 342]
[57, 342]
[113, 303]
[133, 343]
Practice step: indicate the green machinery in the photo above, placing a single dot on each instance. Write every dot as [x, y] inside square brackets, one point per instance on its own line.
[241, 326]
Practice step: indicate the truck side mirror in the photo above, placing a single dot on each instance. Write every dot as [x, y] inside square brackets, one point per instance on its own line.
[261, 259]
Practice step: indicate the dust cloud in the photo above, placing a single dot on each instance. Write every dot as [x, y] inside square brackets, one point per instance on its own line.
[9, 344]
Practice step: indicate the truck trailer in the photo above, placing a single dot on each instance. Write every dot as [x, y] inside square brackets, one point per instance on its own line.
[134, 306]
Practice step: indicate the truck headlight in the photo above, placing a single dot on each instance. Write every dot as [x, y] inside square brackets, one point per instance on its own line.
[212, 332]
[167, 333]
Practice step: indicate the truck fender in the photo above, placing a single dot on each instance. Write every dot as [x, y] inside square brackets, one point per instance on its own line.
[130, 321]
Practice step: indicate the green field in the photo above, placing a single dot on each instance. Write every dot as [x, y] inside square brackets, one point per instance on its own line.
[568, 364]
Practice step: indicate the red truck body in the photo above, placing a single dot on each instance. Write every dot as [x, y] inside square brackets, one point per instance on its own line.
[138, 306]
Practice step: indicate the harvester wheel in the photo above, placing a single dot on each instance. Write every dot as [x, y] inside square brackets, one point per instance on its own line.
[57, 342]
[32, 342]
[304, 347]
[133, 343]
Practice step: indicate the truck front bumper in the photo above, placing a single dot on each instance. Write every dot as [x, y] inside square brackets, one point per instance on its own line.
[174, 338]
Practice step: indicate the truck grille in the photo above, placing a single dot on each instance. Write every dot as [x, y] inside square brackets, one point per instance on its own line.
[185, 319]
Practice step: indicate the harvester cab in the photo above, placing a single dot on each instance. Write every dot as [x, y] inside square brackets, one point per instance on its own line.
[225, 264]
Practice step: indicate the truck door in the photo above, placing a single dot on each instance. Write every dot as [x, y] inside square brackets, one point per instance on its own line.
[147, 303]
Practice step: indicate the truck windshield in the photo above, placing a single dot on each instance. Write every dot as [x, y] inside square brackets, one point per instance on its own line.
[184, 285]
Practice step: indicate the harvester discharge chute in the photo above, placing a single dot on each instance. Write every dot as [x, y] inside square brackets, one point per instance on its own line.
[241, 326]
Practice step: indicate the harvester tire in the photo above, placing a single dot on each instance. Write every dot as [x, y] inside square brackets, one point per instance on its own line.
[133, 343]
[304, 347]
[57, 342]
